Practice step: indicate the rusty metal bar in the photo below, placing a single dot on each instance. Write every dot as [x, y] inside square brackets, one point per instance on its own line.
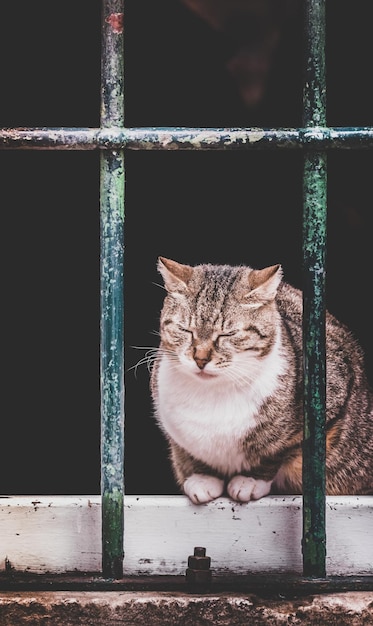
[314, 247]
[111, 262]
[322, 138]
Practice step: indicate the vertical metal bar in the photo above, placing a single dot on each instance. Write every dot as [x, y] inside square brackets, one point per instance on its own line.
[111, 262]
[314, 246]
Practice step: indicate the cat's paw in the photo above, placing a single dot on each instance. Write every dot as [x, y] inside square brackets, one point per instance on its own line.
[246, 488]
[202, 488]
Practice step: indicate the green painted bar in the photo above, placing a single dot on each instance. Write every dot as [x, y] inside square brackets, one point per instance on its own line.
[314, 240]
[112, 323]
[314, 246]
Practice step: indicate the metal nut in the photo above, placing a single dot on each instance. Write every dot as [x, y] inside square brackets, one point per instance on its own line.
[199, 567]
[198, 576]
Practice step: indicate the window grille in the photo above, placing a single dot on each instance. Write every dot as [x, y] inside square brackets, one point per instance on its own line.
[112, 139]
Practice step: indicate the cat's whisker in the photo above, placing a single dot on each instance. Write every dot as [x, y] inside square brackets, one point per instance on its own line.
[150, 356]
[158, 285]
[138, 364]
[147, 359]
[239, 375]
[172, 358]
[239, 380]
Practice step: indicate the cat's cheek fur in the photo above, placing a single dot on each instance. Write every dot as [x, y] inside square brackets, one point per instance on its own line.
[202, 488]
[246, 488]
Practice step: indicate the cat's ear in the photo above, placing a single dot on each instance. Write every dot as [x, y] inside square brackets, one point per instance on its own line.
[175, 275]
[263, 285]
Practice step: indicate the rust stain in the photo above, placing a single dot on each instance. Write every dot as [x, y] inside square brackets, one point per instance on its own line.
[116, 22]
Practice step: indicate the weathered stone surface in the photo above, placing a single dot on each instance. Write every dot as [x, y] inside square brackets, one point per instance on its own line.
[162, 609]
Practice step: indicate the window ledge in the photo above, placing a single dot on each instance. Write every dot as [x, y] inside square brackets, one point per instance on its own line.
[59, 534]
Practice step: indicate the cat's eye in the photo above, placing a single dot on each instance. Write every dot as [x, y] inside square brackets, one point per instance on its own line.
[241, 338]
[223, 336]
[185, 330]
[254, 329]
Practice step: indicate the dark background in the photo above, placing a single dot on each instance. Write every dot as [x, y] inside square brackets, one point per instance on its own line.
[193, 207]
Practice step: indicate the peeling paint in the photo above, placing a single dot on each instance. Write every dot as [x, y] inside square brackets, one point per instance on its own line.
[205, 137]
[117, 137]
[256, 136]
[8, 565]
[116, 22]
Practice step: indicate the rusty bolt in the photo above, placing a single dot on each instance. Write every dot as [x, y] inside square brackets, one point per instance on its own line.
[199, 571]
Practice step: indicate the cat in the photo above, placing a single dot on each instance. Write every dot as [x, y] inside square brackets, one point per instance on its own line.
[226, 385]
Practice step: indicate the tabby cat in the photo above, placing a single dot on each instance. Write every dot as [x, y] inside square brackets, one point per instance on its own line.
[226, 383]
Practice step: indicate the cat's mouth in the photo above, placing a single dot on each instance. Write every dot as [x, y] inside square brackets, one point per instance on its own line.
[203, 374]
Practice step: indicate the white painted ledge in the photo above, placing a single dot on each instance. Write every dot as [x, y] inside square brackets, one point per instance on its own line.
[57, 534]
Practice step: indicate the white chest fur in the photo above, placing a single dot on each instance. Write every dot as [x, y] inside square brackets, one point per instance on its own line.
[210, 418]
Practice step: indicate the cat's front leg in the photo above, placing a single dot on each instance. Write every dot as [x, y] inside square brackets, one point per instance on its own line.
[245, 488]
[202, 488]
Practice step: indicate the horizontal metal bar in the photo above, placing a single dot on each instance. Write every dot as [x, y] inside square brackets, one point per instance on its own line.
[176, 138]
[263, 585]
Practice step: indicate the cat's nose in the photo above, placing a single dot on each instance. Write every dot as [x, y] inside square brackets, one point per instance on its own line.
[201, 362]
[202, 356]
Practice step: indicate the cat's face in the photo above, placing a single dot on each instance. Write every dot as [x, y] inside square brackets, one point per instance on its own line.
[218, 321]
[207, 352]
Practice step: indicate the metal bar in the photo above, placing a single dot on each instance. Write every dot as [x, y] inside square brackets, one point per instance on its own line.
[322, 138]
[112, 332]
[268, 585]
[314, 246]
